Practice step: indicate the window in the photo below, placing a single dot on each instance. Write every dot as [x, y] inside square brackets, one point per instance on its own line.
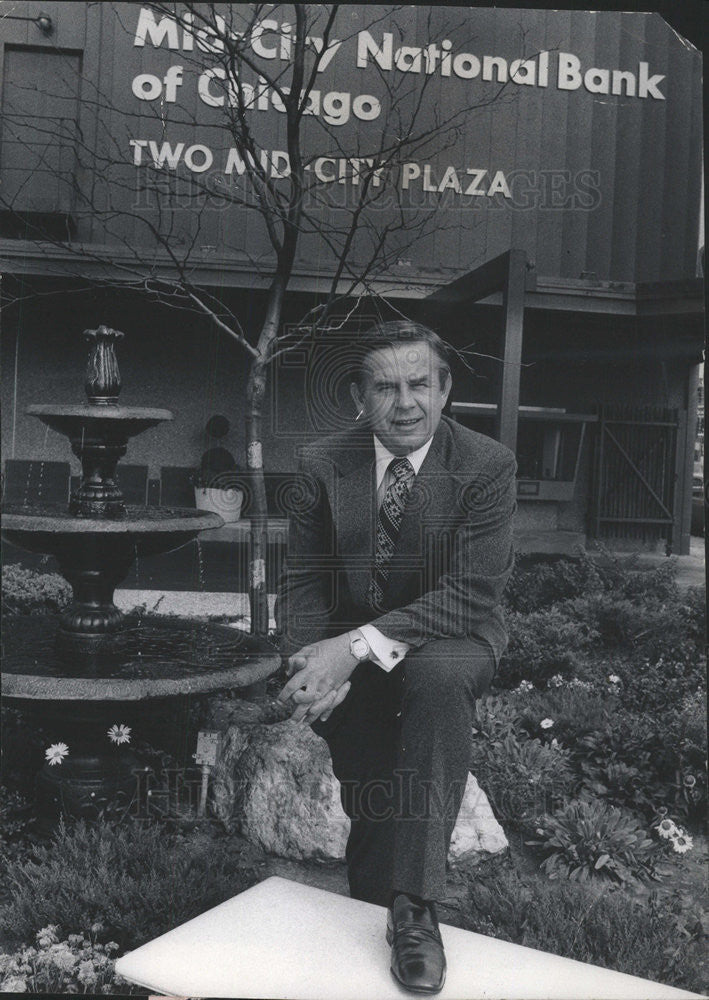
[38, 154]
[549, 445]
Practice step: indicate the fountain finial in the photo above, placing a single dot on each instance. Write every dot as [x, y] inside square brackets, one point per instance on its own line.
[103, 379]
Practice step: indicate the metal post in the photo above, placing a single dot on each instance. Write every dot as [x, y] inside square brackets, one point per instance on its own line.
[599, 473]
[686, 435]
[513, 328]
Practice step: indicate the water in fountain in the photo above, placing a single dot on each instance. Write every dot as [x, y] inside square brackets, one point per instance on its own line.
[93, 657]
[200, 564]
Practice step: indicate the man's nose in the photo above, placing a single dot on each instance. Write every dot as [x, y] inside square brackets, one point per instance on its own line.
[406, 397]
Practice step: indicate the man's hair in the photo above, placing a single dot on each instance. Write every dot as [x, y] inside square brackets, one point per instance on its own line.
[400, 331]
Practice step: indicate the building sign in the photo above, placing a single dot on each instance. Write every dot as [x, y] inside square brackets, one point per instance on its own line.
[575, 136]
[271, 40]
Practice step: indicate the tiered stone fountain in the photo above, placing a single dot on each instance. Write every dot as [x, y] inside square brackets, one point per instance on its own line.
[94, 667]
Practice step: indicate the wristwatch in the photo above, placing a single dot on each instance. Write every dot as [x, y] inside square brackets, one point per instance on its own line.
[359, 647]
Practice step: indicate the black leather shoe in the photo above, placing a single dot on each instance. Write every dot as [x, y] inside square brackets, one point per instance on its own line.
[417, 958]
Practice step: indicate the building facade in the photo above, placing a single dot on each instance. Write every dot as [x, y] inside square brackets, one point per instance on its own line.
[550, 194]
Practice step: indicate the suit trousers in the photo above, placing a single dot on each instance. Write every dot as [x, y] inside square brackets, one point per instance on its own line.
[401, 745]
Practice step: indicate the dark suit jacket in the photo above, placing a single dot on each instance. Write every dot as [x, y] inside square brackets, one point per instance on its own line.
[453, 556]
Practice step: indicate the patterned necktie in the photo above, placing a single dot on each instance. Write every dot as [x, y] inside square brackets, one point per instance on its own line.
[388, 524]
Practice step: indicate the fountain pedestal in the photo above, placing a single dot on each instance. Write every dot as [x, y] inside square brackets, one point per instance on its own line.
[85, 787]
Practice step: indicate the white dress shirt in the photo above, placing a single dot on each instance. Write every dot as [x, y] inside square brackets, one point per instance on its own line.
[387, 652]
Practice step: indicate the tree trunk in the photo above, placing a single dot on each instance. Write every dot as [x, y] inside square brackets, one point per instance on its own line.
[258, 536]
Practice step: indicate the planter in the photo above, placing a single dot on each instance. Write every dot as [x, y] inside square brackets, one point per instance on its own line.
[227, 503]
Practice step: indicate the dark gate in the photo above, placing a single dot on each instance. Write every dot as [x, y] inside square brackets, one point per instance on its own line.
[636, 474]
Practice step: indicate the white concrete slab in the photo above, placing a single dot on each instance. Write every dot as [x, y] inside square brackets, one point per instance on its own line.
[284, 940]
[191, 603]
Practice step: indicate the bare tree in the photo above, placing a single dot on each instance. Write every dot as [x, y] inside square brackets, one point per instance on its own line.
[359, 229]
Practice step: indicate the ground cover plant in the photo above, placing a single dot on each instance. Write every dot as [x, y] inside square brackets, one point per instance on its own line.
[136, 878]
[662, 937]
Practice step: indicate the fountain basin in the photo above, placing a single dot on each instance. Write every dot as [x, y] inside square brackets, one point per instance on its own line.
[151, 656]
[95, 555]
[126, 421]
[99, 435]
[154, 529]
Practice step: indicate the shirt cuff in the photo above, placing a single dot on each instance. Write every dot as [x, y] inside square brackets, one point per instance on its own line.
[386, 652]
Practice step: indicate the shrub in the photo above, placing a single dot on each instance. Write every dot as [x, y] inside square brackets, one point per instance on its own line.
[135, 878]
[659, 938]
[537, 586]
[16, 824]
[692, 718]
[522, 779]
[624, 578]
[656, 687]
[615, 620]
[586, 840]
[542, 644]
[649, 761]
[643, 762]
[650, 628]
[541, 584]
[693, 609]
[25, 591]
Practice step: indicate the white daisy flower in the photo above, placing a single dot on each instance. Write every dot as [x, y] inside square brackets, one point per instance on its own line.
[14, 984]
[56, 753]
[614, 678]
[119, 734]
[667, 829]
[682, 842]
[546, 723]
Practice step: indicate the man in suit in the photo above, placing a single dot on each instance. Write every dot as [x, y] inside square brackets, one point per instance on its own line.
[389, 612]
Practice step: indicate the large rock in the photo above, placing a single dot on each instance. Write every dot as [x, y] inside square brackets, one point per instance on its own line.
[274, 784]
[476, 830]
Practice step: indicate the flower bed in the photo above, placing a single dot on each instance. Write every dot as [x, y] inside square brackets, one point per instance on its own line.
[611, 675]
[77, 963]
[592, 751]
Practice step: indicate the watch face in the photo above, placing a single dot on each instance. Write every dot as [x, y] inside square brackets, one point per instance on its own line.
[360, 649]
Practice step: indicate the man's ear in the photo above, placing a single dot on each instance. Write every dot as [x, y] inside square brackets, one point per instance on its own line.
[357, 396]
[447, 386]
